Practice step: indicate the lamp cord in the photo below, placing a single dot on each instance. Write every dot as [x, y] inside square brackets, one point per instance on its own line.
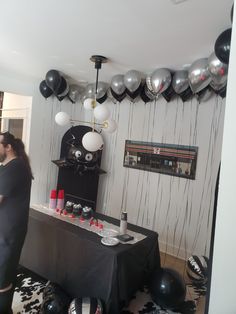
[96, 91]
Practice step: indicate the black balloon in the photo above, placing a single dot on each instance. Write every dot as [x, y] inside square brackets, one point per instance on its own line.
[63, 85]
[222, 46]
[134, 94]
[63, 89]
[53, 80]
[221, 92]
[167, 288]
[118, 97]
[186, 94]
[169, 93]
[55, 300]
[146, 95]
[102, 99]
[45, 90]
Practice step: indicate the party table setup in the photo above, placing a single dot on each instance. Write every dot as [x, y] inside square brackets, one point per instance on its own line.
[87, 257]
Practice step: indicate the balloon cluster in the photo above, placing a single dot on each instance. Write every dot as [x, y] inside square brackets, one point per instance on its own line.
[56, 301]
[204, 77]
[56, 84]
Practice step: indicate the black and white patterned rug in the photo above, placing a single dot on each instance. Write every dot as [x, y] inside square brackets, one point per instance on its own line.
[28, 297]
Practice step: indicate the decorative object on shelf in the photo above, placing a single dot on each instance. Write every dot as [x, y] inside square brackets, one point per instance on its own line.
[77, 157]
[174, 160]
[92, 141]
[79, 169]
[87, 212]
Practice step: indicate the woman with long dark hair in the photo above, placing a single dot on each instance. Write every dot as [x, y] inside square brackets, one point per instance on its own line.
[15, 186]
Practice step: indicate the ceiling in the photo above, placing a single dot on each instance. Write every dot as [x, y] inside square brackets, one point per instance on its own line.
[143, 35]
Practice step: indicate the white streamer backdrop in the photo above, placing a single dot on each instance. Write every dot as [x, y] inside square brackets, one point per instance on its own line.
[180, 210]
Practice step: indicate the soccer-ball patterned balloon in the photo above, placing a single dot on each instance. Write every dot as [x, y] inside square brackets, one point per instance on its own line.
[197, 268]
[85, 306]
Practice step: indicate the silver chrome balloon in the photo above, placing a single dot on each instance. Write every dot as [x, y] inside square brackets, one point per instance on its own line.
[160, 80]
[180, 81]
[149, 84]
[132, 80]
[101, 90]
[117, 84]
[198, 75]
[218, 70]
[74, 92]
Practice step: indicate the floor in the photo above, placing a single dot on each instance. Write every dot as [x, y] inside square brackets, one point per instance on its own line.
[179, 265]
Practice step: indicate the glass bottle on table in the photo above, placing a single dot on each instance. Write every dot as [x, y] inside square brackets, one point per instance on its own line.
[123, 222]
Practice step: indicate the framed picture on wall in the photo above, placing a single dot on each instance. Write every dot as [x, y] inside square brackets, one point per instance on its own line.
[175, 160]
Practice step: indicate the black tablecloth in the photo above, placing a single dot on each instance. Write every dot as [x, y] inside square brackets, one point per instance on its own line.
[76, 259]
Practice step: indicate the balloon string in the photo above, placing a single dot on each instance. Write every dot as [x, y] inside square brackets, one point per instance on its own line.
[139, 174]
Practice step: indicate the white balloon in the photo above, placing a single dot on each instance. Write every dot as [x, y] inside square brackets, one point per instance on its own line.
[101, 113]
[62, 118]
[89, 103]
[110, 126]
[92, 141]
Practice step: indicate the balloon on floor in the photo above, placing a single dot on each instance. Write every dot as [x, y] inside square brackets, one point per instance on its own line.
[197, 268]
[167, 288]
[55, 300]
[86, 305]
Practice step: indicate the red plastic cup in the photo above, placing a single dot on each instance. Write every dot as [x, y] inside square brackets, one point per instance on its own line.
[61, 194]
[53, 194]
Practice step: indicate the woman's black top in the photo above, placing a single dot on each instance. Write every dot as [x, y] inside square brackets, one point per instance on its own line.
[15, 186]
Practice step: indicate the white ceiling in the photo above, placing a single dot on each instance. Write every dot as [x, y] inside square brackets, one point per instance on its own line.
[39, 35]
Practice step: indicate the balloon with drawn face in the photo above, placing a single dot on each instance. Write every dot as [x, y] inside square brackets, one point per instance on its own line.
[80, 155]
[75, 157]
[83, 160]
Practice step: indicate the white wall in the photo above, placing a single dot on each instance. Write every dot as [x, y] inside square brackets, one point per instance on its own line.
[18, 107]
[222, 297]
[178, 209]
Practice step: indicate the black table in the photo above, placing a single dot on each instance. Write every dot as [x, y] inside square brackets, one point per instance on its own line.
[75, 258]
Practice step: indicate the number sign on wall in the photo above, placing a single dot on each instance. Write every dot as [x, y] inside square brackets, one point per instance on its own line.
[175, 160]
